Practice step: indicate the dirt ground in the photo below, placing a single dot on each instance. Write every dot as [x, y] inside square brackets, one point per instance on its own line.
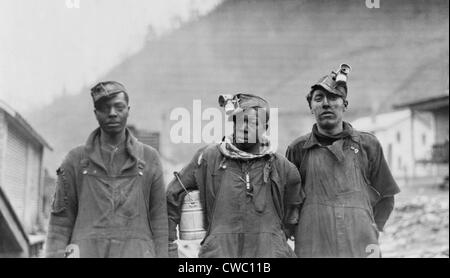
[418, 227]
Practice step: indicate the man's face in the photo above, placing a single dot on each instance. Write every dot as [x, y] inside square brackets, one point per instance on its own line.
[249, 126]
[327, 108]
[112, 113]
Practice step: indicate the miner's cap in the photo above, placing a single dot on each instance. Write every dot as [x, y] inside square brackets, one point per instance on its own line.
[335, 82]
[245, 101]
[328, 84]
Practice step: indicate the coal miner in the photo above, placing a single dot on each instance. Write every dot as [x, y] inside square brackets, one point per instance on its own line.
[349, 189]
[110, 193]
[250, 195]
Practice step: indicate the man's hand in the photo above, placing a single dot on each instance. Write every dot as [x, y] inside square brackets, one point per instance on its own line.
[289, 231]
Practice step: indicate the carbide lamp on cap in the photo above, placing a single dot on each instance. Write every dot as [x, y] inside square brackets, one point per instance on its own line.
[229, 102]
[342, 74]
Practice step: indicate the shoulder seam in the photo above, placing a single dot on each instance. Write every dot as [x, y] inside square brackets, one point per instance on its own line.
[299, 140]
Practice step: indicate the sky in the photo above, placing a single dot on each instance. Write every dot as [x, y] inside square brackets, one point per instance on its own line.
[54, 47]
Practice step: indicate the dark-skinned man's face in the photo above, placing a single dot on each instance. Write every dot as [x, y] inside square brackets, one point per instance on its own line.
[249, 127]
[112, 113]
[328, 109]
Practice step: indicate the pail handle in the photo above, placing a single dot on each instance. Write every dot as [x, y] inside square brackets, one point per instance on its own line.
[177, 175]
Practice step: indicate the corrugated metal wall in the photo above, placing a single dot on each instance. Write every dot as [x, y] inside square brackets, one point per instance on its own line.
[32, 196]
[15, 170]
[21, 176]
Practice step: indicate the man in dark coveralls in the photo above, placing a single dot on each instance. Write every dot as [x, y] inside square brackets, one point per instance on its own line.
[110, 193]
[250, 194]
[349, 189]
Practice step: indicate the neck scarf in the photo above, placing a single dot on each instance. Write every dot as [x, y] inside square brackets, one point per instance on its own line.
[228, 149]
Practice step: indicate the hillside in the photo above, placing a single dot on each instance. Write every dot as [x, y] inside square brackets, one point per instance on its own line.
[276, 49]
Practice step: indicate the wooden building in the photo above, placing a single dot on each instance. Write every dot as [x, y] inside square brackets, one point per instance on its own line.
[438, 106]
[21, 176]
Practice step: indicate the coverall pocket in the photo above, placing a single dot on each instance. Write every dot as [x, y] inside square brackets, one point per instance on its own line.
[127, 198]
[129, 209]
[119, 197]
[209, 248]
[370, 216]
[369, 227]
[375, 229]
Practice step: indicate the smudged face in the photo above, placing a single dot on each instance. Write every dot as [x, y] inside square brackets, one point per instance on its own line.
[249, 127]
[328, 109]
[112, 113]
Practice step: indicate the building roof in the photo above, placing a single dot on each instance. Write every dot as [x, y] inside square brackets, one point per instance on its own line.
[381, 121]
[18, 119]
[426, 104]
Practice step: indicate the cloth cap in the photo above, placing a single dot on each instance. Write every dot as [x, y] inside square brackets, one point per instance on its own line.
[107, 88]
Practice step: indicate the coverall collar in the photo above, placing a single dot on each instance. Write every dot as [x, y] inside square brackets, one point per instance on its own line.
[313, 141]
[93, 150]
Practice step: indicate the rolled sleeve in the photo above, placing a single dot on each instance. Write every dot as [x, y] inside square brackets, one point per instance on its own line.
[379, 173]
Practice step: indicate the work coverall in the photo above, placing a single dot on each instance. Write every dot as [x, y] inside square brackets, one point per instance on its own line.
[109, 204]
[242, 219]
[342, 182]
